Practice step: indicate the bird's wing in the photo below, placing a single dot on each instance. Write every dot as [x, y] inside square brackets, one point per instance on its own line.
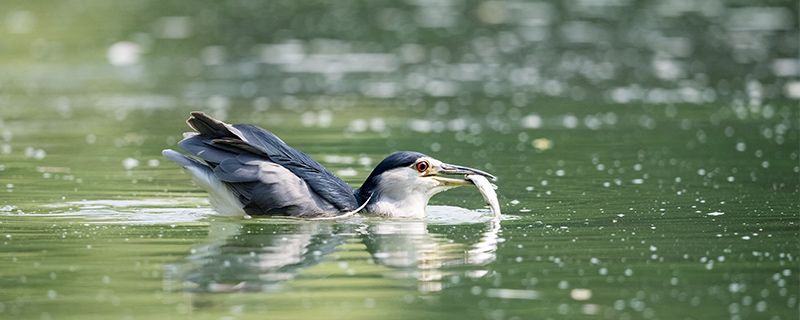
[238, 151]
[265, 187]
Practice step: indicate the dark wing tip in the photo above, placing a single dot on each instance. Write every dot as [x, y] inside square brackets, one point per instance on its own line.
[207, 125]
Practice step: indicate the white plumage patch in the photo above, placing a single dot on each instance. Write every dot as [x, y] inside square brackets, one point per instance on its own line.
[402, 192]
[221, 198]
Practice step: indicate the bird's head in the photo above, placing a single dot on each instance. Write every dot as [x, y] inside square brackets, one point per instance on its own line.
[402, 184]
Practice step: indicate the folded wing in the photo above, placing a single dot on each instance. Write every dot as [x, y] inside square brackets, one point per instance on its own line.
[267, 175]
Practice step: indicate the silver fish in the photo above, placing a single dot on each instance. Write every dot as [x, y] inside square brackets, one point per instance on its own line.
[487, 191]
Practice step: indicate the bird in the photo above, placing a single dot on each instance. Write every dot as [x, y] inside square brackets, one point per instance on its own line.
[249, 171]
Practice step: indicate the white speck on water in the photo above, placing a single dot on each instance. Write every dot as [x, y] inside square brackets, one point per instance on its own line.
[701, 172]
[130, 163]
[580, 294]
[563, 284]
[348, 172]
[653, 248]
[570, 121]
[365, 161]
[590, 309]
[361, 125]
[637, 181]
[765, 164]
[745, 237]
[512, 294]
[731, 179]
[339, 159]
[124, 53]
[792, 89]
[594, 260]
[715, 213]
[153, 163]
[542, 144]
[378, 125]
[475, 290]
[560, 172]
[628, 272]
[741, 147]
[761, 306]
[52, 294]
[38, 154]
[531, 121]
[603, 271]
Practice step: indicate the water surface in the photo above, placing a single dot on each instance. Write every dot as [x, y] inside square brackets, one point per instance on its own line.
[648, 157]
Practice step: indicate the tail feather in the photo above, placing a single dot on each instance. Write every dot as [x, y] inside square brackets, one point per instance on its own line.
[206, 125]
[180, 159]
[221, 198]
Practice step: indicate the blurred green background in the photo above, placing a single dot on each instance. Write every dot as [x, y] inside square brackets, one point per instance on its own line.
[647, 154]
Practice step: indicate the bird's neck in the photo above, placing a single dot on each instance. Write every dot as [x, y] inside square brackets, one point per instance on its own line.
[407, 207]
[391, 202]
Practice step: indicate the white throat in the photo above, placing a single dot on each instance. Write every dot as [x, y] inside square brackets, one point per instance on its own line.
[402, 192]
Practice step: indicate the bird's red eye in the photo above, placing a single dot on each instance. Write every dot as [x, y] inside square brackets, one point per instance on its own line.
[422, 166]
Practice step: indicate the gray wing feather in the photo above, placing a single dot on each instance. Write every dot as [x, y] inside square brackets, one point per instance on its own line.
[268, 188]
[203, 148]
[235, 140]
[323, 182]
[267, 176]
[232, 170]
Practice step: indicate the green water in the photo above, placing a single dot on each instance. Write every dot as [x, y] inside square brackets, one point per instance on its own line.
[661, 190]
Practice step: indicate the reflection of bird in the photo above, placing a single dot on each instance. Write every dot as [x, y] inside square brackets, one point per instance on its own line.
[262, 257]
[248, 170]
[254, 257]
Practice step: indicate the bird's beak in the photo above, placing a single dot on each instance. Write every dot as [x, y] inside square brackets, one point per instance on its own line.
[451, 169]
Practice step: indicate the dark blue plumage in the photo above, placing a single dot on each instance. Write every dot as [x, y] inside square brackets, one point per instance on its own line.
[237, 153]
[322, 181]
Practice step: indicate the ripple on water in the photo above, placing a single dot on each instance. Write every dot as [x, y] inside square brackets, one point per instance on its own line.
[132, 211]
[182, 210]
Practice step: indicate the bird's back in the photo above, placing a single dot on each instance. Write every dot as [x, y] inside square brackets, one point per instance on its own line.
[267, 176]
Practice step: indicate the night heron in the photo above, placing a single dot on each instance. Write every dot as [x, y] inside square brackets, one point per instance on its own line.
[249, 171]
